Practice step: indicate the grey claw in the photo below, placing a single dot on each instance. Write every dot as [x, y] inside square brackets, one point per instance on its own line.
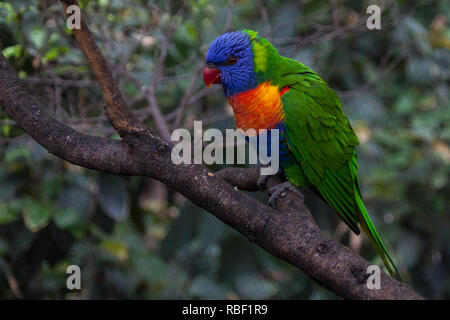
[280, 191]
[262, 180]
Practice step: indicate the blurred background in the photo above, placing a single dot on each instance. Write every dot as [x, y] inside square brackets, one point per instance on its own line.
[135, 238]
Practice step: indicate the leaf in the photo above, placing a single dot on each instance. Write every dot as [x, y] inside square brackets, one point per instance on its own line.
[7, 215]
[113, 197]
[404, 104]
[6, 130]
[251, 285]
[205, 288]
[150, 267]
[67, 218]
[422, 71]
[26, 149]
[116, 248]
[13, 51]
[37, 36]
[54, 53]
[36, 215]
[10, 14]
[15, 154]
[76, 197]
[10, 211]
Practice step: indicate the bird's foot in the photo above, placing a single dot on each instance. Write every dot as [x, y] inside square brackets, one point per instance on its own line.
[280, 191]
[262, 179]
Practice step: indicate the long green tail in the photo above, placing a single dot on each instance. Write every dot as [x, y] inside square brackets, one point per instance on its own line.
[367, 225]
[369, 228]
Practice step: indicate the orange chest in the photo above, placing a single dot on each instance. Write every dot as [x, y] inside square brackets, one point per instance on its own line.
[258, 108]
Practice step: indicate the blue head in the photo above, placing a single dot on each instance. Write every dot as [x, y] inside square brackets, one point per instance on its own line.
[231, 54]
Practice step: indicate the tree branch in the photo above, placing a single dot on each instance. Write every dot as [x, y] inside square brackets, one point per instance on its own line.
[88, 151]
[289, 232]
[117, 110]
[296, 238]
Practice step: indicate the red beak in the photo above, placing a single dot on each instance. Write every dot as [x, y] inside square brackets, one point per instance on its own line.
[211, 76]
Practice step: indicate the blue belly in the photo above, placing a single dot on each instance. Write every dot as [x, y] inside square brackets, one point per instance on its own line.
[285, 154]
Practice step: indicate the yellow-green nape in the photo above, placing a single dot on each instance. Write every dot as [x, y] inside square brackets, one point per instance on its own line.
[252, 34]
[260, 56]
[259, 51]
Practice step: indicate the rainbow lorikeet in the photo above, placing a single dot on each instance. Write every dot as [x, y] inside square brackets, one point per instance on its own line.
[317, 143]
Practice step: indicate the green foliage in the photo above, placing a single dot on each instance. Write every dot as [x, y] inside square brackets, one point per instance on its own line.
[135, 238]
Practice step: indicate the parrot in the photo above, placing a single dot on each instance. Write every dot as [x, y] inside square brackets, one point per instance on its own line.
[317, 143]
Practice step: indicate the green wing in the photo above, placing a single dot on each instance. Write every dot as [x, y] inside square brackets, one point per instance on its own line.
[323, 144]
[320, 138]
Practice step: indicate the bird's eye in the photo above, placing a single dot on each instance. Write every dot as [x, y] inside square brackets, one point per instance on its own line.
[232, 60]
